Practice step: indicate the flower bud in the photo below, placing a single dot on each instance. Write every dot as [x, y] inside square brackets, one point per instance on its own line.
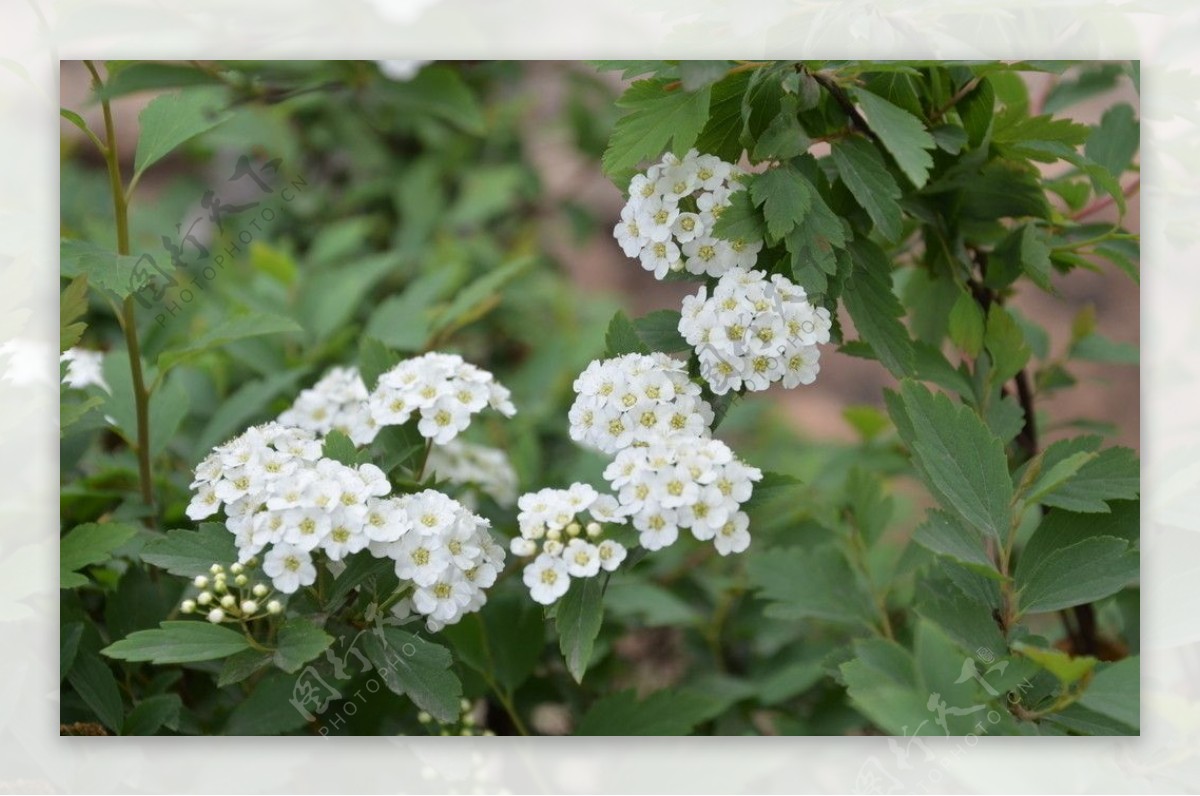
[249, 606]
[554, 534]
[236, 569]
[552, 547]
[594, 529]
[204, 598]
[573, 529]
[216, 616]
[216, 568]
[241, 580]
[252, 562]
[424, 717]
[187, 606]
[228, 601]
[200, 581]
[274, 607]
[219, 586]
[259, 590]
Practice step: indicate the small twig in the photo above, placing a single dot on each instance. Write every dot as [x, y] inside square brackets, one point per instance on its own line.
[845, 103]
[959, 95]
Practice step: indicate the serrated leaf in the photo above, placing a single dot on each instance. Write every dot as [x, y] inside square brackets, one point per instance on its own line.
[236, 328]
[721, 134]
[69, 635]
[1061, 529]
[150, 76]
[178, 642]
[876, 310]
[578, 618]
[97, 686]
[72, 306]
[440, 91]
[189, 553]
[963, 460]
[660, 331]
[1057, 475]
[1114, 142]
[902, 135]
[239, 666]
[360, 568]
[272, 708]
[1114, 474]
[862, 169]
[783, 138]
[173, 119]
[784, 196]
[467, 304]
[299, 642]
[667, 712]
[946, 535]
[966, 622]
[815, 583]
[622, 337]
[1075, 575]
[741, 220]
[337, 446]
[88, 544]
[419, 669]
[815, 240]
[374, 359]
[654, 118]
[103, 269]
[966, 325]
[1005, 343]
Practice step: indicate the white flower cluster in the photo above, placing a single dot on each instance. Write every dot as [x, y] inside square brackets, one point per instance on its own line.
[685, 483]
[754, 331]
[477, 467]
[636, 399]
[672, 209]
[569, 549]
[445, 390]
[338, 402]
[282, 497]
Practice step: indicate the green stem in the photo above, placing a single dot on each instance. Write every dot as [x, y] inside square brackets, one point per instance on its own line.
[424, 461]
[858, 547]
[128, 316]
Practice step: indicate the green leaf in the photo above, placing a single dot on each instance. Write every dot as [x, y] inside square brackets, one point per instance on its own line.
[1005, 343]
[1115, 692]
[173, 119]
[338, 447]
[189, 553]
[299, 642]
[1056, 475]
[361, 568]
[411, 666]
[1097, 348]
[152, 714]
[578, 618]
[977, 111]
[721, 134]
[469, 302]
[902, 134]
[1077, 718]
[330, 298]
[1114, 474]
[405, 321]
[236, 328]
[169, 406]
[1069, 670]
[1061, 529]
[771, 485]
[945, 535]
[1075, 575]
[784, 138]
[241, 665]
[269, 709]
[97, 687]
[88, 544]
[964, 462]
[104, 269]
[69, 635]
[966, 622]
[374, 359]
[815, 583]
[1115, 141]
[1024, 250]
[875, 309]
[660, 331]
[1017, 128]
[647, 603]
[966, 324]
[178, 642]
[784, 196]
[150, 76]
[251, 402]
[653, 118]
[72, 306]
[862, 169]
[504, 641]
[440, 91]
[666, 712]
[622, 337]
[1003, 189]
[741, 220]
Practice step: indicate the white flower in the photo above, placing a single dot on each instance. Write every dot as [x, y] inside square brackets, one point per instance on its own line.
[611, 554]
[754, 331]
[675, 204]
[336, 402]
[733, 536]
[636, 398]
[84, 368]
[444, 600]
[442, 389]
[520, 546]
[400, 70]
[289, 568]
[547, 578]
[583, 559]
